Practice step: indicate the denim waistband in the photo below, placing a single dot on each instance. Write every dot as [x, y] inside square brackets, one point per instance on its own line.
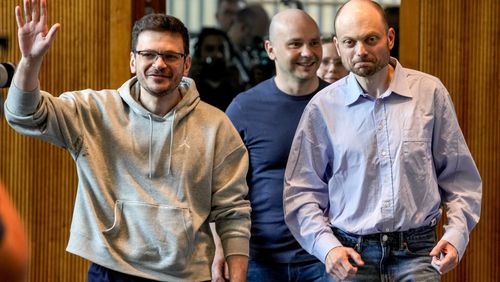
[397, 236]
[398, 239]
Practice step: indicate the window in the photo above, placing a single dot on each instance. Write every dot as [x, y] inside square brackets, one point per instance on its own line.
[198, 13]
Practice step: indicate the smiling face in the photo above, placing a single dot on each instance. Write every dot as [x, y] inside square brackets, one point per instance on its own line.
[363, 39]
[294, 46]
[158, 77]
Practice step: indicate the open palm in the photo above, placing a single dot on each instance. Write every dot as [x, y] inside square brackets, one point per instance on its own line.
[34, 36]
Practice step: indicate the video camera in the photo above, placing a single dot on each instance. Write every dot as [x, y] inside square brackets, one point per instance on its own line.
[7, 69]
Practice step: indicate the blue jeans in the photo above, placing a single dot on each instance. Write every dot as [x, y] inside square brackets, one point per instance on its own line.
[395, 256]
[310, 271]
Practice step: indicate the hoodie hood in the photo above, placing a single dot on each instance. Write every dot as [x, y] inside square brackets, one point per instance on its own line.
[129, 92]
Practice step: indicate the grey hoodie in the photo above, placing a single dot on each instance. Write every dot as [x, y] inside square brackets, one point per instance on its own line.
[148, 185]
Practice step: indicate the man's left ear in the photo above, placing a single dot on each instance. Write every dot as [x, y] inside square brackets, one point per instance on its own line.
[391, 34]
[132, 63]
[336, 44]
[187, 65]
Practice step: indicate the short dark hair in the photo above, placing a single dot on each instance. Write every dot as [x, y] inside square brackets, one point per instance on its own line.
[377, 7]
[160, 22]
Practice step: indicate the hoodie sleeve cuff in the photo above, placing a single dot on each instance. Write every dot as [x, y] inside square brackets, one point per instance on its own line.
[22, 103]
[236, 246]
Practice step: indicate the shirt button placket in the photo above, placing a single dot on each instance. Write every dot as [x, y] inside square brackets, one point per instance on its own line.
[384, 162]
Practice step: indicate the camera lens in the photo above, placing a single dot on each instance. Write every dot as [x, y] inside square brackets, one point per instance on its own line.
[6, 73]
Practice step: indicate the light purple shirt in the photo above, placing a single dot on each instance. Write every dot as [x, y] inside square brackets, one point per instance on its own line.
[371, 165]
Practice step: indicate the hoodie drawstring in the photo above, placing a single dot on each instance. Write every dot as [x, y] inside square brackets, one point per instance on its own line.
[169, 168]
[150, 145]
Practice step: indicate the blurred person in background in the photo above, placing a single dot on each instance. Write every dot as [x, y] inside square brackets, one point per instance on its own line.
[216, 78]
[14, 252]
[226, 12]
[247, 34]
[331, 68]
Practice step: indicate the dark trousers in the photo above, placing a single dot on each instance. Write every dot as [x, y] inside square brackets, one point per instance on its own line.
[99, 273]
[310, 271]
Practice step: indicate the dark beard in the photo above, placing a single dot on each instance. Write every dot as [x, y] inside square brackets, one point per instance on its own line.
[170, 89]
[367, 72]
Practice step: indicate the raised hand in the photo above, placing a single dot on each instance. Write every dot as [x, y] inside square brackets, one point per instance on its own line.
[33, 34]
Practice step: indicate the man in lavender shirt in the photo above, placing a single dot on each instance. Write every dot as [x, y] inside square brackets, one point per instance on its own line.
[375, 159]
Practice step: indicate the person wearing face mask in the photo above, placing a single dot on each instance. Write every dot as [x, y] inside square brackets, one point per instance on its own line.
[217, 79]
[155, 164]
[376, 158]
[266, 117]
[331, 68]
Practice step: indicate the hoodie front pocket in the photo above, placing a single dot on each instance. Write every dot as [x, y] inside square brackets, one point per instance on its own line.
[159, 237]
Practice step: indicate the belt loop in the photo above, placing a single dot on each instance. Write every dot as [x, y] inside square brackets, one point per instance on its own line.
[401, 240]
[358, 244]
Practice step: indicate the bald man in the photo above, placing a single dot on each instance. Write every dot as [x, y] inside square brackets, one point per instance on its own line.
[375, 158]
[266, 117]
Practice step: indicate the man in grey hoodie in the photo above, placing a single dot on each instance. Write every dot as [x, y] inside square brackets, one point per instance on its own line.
[155, 164]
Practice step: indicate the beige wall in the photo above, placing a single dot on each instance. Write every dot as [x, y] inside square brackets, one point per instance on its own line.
[90, 51]
[458, 41]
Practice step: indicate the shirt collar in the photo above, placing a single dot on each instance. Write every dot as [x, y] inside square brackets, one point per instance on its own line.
[398, 85]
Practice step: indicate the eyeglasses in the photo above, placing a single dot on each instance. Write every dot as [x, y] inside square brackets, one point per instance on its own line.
[168, 56]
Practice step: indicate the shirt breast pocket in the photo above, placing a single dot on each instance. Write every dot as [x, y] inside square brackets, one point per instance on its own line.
[417, 154]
